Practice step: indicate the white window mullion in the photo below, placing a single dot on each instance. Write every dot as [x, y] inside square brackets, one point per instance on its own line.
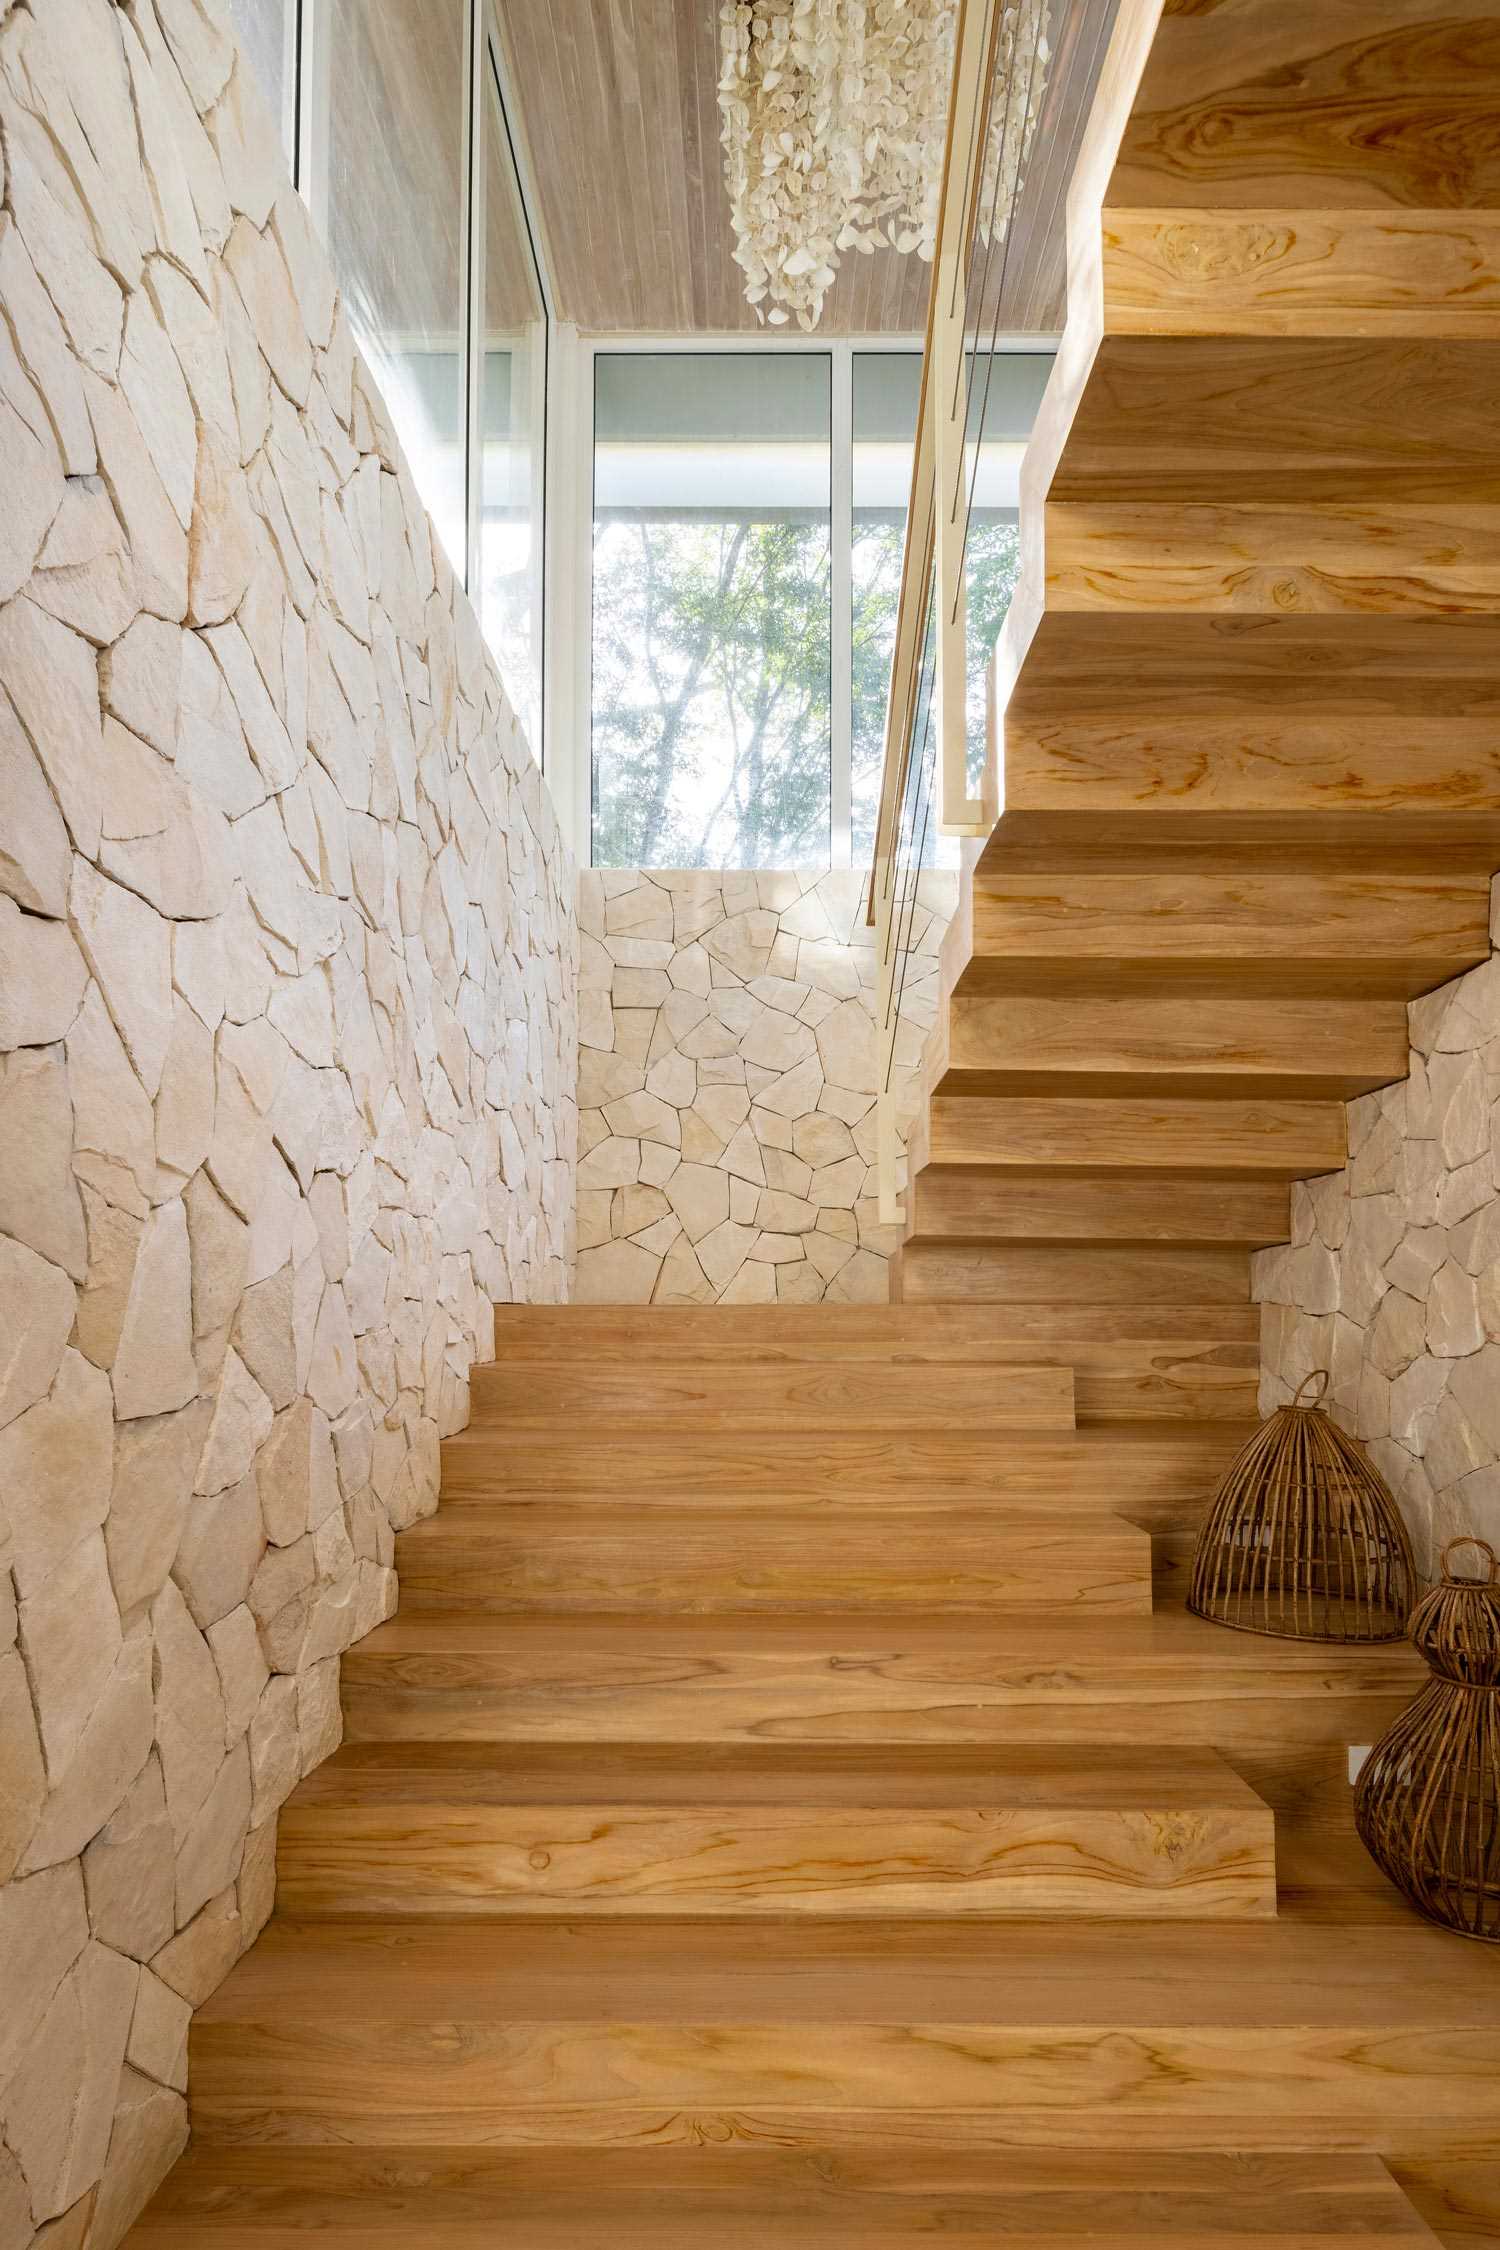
[473, 253]
[841, 637]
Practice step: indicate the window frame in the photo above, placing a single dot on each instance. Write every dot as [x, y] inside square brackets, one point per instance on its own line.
[571, 770]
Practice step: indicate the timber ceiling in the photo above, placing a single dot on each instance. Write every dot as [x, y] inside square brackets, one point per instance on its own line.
[618, 107]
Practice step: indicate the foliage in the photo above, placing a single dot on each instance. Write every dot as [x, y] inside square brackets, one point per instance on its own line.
[712, 720]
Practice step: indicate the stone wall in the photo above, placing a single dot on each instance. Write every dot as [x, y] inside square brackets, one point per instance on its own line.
[287, 1024]
[1392, 1277]
[727, 1085]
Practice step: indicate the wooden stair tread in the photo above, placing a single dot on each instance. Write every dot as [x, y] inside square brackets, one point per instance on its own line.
[1267, 1046]
[706, 1397]
[1170, 1677]
[586, 1556]
[635, 1773]
[1123, 1836]
[554, 1335]
[1213, 1137]
[264, 2198]
[1112, 1465]
[1046, 1648]
[1227, 925]
[963, 1202]
[1252, 1977]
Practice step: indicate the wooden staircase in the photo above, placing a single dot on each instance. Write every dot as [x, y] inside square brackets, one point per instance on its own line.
[848, 1861]
[792, 1804]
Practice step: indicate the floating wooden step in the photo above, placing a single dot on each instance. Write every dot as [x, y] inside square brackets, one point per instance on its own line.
[1271, 1047]
[383, 1829]
[707, 1397]
[1114, 1273]
[1300, 728]
[1126, 1360]
[1119, 1467]
[748, 2198]
[544, 1560]
[1330, 931]
[965, 1203]
[1288, 418]
[565, 1335]
[1333, 547]
[434, 1675]
[1101, 2035]
[1214, 1139]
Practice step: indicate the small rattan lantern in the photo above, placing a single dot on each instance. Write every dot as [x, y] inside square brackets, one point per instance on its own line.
[1303, 1539]
[1428, 1804]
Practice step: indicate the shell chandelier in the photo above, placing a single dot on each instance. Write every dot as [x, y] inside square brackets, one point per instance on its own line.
[834, 119]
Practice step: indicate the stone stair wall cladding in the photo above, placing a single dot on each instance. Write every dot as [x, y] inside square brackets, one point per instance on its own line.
[287, 1055]
[726, 1084]
[1392, 1277]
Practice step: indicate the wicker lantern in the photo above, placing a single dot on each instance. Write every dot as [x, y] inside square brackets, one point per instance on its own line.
[1428, 1804]
[1303, 1539]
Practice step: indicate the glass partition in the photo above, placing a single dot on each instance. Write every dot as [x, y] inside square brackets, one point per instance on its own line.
[712, 741]
[512, 424]
[389, 193]
[886, 389]
[267, 31]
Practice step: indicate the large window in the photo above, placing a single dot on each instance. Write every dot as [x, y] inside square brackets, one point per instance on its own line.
[393, 115]
[711, 727]
[749, 511]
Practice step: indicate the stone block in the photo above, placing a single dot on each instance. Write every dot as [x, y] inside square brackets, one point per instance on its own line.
[127, 1870]
[37, 1304]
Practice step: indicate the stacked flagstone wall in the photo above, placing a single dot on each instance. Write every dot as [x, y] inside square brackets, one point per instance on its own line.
[287, 1037]
[727, 1075]
[1392, 1278]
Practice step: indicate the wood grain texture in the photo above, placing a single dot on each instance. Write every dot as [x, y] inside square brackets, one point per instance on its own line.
[1245, 923]
[590, 1559]
[824, 1334]
[639, 236]
[1147, 1042]
[707, 1398]
[1108, 1466]
[670, 2198]
[1223, 1139]
[1134, 1838]
[966, 1201]
[435, 1675]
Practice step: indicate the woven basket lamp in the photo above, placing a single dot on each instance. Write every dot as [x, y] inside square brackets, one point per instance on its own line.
[1428, 1804]
[1303, 1539]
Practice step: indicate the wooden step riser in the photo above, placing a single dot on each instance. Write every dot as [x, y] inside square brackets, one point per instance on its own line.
[1397, 556]
[1407, 274]
[1144, 1136]
[968, 1205]
[1181, 763]
[1280, 1047]
[1259, 925]
[581, 2083]
[577, 2228]
[550, 1337]
[1210, 418]
[706, 1398]
[737, 1696]
[543, 1565]
[914, 1473]
[1114, 1274]
[1216, 1864]
[745, 2196]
